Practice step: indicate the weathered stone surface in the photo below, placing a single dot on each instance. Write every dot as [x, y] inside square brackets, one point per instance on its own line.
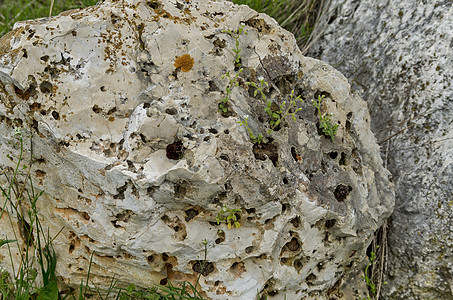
[398, 56]
[136, 160]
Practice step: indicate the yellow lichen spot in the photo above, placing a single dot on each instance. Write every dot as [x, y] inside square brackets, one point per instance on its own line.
[185, 62]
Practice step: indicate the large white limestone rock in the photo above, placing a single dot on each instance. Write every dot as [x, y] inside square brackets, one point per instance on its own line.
[398, 57]
[136, 160]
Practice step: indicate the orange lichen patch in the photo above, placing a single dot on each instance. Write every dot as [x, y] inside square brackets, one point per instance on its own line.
[185, 62]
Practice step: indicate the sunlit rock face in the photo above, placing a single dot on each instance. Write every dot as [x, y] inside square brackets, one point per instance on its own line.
[136, 160]
[398, 57]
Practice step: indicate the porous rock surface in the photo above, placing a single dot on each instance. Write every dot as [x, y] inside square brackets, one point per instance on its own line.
[136, 160]
[398, 57]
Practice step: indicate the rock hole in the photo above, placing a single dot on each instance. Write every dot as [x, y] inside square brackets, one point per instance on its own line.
[86, 216]
[330, 223]
[103, 89]
[44, 58]
[190, 214]
[285, 180]
[285, 207]
[293, 245]
[175, 151]
[264, 151]
[272, 293]
[333, 154]
[150, 259]
[56, 115]
[153, 4]
[203, 267]
[342, 159]
[213, 87]
[180, 190]
[341, 192]
[296, 222]
[114, 18]
[250, 210]
[213, 131]
[45, 87]
[97, 109]
[224, 157]
[35, 106]
[71, 246]
[165, 256]
[111, 111]
[295, 155]
[259, 24]
[310, 278]
[221, 237]
[25, 54]
[348, 125]
[226, 131]
[150, 191]
[298, 264]
[171, 111]
[120, 192]
[163, 281]
[249, 249]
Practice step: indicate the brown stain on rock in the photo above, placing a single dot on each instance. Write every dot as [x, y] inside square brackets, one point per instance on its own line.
[185, 62]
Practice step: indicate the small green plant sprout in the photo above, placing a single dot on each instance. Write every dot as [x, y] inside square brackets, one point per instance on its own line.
[233, 81]
[228, 215]
[368, 279]
[280, 114]
[276, 115]
[260, 88]
[235, 35]
[256, 139]
[325, 123]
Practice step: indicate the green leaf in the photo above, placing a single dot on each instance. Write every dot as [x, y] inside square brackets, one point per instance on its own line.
[130, 288]
[49, 291]
[4, 242]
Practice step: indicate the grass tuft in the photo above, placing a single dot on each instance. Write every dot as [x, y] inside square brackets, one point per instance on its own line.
[12, 11]
[297, 16]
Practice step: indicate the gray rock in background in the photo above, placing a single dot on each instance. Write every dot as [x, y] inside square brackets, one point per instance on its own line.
[398, 56]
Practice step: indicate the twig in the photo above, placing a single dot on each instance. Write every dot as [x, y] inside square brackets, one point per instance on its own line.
[291, 15]
[395, 134]
[51, 7]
